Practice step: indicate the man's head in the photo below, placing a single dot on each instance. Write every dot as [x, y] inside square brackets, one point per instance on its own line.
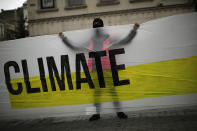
[98, 23]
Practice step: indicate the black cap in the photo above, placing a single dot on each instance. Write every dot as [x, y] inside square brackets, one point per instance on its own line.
[98, 22]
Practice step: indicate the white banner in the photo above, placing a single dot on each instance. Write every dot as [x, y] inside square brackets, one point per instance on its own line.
[43, 75]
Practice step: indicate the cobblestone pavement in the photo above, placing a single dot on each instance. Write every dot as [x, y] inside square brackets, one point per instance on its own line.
[168, 119]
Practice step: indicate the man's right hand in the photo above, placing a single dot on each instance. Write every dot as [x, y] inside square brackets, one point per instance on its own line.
[136, 26]
[61, 34]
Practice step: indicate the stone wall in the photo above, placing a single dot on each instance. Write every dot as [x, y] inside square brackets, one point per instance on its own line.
[65, 18]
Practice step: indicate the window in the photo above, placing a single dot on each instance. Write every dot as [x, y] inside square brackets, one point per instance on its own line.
[108, 2]
[75, 2]
[45, 4]
[132, 1]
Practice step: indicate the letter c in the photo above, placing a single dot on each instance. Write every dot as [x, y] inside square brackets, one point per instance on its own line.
[7, 77]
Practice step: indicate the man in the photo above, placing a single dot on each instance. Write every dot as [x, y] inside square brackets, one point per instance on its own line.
[101, 41]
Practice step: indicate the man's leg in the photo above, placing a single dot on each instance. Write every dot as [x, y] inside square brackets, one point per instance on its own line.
[97, 115]
[96, 98]
[118, 106]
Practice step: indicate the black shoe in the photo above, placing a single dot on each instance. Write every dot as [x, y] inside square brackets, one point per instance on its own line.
[95, 117]
[122, 115]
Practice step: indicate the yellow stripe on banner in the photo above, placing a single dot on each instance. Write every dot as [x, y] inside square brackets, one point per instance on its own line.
[173, 77]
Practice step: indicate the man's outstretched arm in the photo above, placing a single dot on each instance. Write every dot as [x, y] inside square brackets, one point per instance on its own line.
[129, 37]
[67, 42]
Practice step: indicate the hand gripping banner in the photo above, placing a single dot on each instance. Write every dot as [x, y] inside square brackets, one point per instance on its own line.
[108, 64]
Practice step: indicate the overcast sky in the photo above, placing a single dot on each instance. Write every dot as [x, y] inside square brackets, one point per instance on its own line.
[11, 4]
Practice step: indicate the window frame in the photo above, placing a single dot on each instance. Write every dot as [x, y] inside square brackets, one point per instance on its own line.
[108, 2]
[136, 1]
[75, 6]
[69, 4]
[47, 9]
[42, 7]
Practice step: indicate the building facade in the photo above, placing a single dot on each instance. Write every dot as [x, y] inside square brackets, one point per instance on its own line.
[1, 31]
[25, 15]
[52, 16]
[8, 24]
[12, 24]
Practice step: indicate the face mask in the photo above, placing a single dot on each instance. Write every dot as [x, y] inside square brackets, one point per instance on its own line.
[97, 24]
